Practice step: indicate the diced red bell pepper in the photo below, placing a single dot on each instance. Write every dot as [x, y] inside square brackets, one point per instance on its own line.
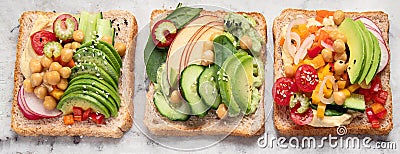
[97, 118]
[383, 95]
[328, 41]
[382, 114]
[85, 115]
[375, 85]
[379, 100]
[375, 123]
[372, 118]
[368, 97]
[363, 91]
[77, 111]
[77, 118]
[314, 51]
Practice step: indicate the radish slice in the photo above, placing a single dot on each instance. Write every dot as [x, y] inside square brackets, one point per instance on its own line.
[35, 106]
[325, 45]
[302, 52]
[22, 107]
[321, 90]
[287, 44]
[384, 56]
[369, 23]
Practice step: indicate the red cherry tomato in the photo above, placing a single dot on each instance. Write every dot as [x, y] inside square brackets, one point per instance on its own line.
[301, 118]
[85, 115]
[40, 38]
[306, 78]
[169, 37]
[283, 89]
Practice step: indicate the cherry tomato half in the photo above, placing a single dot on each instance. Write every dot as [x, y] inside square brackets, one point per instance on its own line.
[306, 78]
[40, 38]
[301, 118]
[283, 89]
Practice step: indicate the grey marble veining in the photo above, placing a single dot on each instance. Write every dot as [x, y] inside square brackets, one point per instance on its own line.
[135, 141]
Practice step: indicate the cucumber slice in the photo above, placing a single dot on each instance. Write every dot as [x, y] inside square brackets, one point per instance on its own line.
[208, 87]
[90, 31]
[165, 110]
[188, 85]
[83, 21]
[104, 29]
[355, 102]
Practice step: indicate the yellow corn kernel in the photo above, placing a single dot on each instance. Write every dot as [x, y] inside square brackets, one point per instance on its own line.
[353, 87]
[346, 92]
[321, 110]
[341, 84]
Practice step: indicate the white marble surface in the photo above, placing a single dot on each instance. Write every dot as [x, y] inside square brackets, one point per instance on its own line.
[136, 142]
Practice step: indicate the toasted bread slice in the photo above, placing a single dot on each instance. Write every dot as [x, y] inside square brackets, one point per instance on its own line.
[210, 124]
[359, 125]
[125, 32]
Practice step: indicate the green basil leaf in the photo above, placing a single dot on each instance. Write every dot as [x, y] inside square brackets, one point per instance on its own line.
[223, 48]
[183, 15]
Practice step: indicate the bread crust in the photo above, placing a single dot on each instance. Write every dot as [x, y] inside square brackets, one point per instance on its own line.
[360, 125]
[210, 125]
[114, 127]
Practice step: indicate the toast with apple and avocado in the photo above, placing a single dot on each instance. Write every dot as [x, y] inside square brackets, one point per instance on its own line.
[332, 69]
[90, 55]
[207, 72]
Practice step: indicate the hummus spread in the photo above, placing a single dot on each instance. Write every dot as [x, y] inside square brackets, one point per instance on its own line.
[332, 121]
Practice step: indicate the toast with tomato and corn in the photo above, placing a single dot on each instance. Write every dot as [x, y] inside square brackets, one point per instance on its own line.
[332, 70]
[207, 73]
[74, 74]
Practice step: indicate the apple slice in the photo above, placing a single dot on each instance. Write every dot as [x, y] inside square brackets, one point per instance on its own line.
[35, 106]
[176, 50]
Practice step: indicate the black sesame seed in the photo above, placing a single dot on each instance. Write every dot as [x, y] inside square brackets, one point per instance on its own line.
[116, 34]
[125, 22]
[354, 61]
[336, 80]
[341, 62]
[112, 21]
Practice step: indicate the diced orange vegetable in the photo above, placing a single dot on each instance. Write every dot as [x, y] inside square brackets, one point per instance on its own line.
[323, 35]
[282, 41]
[314, 96]
[329, 84]
[353, 87]
[78, 118]
[312, 29]
[318, 61]
[320, 76]
[324, 13]
[70, 64]
[57, 93]
[303, 31]
[68, 119]
[327, 92]
[346, 92]
[377, 108]
[321, 110]
[341, 84]
[319, 19]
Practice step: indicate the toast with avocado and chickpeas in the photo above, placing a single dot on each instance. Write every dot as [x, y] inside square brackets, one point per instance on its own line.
[74, 74]
[207, 73]
[332, 69]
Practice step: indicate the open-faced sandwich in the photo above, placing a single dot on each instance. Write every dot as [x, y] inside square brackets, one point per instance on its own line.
[74, 74]
[207, 72]
[332, 69]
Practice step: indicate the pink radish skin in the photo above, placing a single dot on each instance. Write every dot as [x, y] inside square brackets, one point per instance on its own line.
[23, 109]
[369, 22]
[35, 106]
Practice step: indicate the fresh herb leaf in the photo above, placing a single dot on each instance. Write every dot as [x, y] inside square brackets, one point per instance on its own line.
[223, 48]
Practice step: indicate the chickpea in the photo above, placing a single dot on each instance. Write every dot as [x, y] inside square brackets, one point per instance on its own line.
[75, 45]
[107, 39]
[338, 17]
[63, 84]
[340, 67]
[68, 45]
[49, 103]
[327, 55]
[35, 66]
[40, 92]
[334, 35]
[46, 62]
[339, 97]
[338, 46]
[55, 66]
[121, 48]
[175, 98]
[208, 58]
[289, 71]
[222, 111]
[65, 72]
[78, 36]
[245, 42]
[66, 54]
[342, 56]
[53, 77]
[28, 85]
[36, 79]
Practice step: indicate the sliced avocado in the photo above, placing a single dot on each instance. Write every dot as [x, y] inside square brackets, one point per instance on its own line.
[86, 53]
[114, 52]
[86, 68]
[369, 50]
[110, 107]
[102, 63]
[241, 82]
[78, 99]
[355, 43]
[93, 89]
[225, 74]
[96, 82]
[97, 45]
[375, 60]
